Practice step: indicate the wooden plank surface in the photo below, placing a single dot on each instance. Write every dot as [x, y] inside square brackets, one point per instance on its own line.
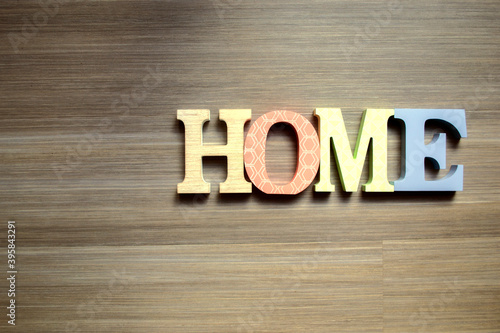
[91, 153]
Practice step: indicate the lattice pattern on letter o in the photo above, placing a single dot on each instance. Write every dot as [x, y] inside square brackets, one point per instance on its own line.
[308, 152]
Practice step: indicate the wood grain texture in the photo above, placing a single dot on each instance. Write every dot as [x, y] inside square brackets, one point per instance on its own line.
[91, 153]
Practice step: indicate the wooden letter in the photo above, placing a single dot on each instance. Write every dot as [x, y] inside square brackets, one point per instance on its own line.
[415, 151]
[373, 126]
[308, 152]
[195, 150]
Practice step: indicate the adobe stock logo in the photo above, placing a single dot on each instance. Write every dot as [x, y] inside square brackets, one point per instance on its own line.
[314, 149]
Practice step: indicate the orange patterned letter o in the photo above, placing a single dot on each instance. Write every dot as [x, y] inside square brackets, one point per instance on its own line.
[308, 154]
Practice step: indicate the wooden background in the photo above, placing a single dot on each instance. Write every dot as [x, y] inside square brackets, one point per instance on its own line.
[90, 158]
